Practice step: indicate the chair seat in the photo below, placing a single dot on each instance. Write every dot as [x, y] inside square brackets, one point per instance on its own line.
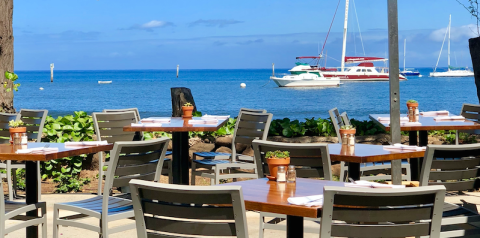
[116, 205]
[168, 153]
[210, 154]
[453, 210]
[405, 162]
[11, 206]
[211, 161]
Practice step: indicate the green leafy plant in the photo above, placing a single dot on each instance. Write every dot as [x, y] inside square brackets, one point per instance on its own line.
[277, 154]
[15, 124]
[187, 104]
[412, 101]
[12, 77]
[347, 127]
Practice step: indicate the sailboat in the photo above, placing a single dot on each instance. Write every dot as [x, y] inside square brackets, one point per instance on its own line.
[364, 71]
[407, 72]
[452, 71]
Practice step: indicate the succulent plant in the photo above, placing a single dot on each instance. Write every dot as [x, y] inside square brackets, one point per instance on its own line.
[277, 154]
[15, 124]
[187, 104]
[347, 127]
[412, 101]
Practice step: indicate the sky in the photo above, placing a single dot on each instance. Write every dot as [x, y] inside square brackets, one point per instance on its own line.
[212, 34]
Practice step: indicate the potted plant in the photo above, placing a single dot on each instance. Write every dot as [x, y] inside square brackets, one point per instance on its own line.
[412, 104]
[347, 133]
[275, 159]
[16, 127]
[187, 109]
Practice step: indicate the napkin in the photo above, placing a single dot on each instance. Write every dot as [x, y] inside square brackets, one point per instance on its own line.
[367, 184]
[435, 113]
[37, 150]
[449, 118]
[206, 117]
[404, 147]
[410, 123]
[205, 121]
[146, 125]
[82, 143]
[315, 200]
[387, 119]
[155, 120]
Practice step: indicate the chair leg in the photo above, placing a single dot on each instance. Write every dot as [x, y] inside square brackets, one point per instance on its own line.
[55, 219]
[103, 229]
[44, 228]
[261, 230]
[408, 173]
[194, 168]
[216, 174]
[342, 171]
[9, 182]
[39, 181]
[100, 172]
[14, 182]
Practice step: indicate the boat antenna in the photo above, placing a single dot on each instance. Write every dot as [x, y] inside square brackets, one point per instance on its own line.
[328, 33]
[359, 31]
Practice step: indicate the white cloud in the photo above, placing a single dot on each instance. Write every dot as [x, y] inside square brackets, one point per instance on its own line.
[155, 24]
[456, 34]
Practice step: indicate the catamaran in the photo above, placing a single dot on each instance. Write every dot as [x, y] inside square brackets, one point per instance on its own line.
[407, 72]
[452, 71]
[364, 71]
[306, 80]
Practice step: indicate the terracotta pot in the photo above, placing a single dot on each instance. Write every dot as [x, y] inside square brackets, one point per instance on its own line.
[16, 130]
[412, 104]
[348, 131]
[187, 111]
[273, 163]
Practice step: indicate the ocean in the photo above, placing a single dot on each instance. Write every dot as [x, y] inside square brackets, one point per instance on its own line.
[219, 92]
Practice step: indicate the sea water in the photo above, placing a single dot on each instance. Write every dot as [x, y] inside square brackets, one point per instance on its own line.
[219, 92]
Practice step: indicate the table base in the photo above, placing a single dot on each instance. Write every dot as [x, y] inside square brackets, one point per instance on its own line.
[353, 171]
[180, 158]
[416, 163]
[31, 188]
[294, 227]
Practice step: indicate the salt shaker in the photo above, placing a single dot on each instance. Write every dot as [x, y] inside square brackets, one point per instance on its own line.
[281, 174]
[411, 115]
[24, 138]
[417, 115]
[291, 174]
[351, 139]
[344, 139]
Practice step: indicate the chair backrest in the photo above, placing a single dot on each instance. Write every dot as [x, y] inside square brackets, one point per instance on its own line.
[338, 121]
[34, 121]
[4, 132]
[250, 126]
[454, 166]
[109, 126]
[251, 110]
[182, 210]
[311, 160]
[135, 160]
[472, 113]
[406, 212]
[135, 110]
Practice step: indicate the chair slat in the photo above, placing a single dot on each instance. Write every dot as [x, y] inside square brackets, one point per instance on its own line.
[32, 121]
[310, 173]
[455, 153]
[373, 201]
[470, 108]
[244, 140]
[254, 118]
[32, 113]
[312, 161]
[190, 227]
[463, 163]
[142, 149]
[249, 133]
[123, 181]
[137, 169]
[115, 132]
[126, 116]
[251, 125]
[474, 116]
[458, 185]
[192, 198]
[382, 215]
[116, 124]
[188, 211]
[138, 159]
[118, 138]
[32, 128]
[397, 230]
[454, 174]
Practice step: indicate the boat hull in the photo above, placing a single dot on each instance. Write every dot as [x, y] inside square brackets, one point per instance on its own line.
[453, 73]
[285, 82]
[410, 74]
[345, 76]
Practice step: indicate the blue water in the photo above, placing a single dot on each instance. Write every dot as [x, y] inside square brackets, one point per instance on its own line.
[219, 92]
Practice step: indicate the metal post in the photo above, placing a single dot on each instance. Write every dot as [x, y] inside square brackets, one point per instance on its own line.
[394, 85]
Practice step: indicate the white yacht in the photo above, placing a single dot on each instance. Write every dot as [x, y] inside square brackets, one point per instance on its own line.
[452, 71]
[306, 80]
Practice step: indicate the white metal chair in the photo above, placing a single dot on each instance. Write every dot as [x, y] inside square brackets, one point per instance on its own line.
[367, 212]
[15, 211]
[129, 160]
[311, 160]
[340, 120]
[167, 210]
[457, 167]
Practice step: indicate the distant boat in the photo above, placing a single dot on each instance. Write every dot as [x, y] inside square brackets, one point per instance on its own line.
[104, 82]
[452, 71]
[407, 72]
[306, 80]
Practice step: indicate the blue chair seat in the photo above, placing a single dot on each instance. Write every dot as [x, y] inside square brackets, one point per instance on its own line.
[211, 161]
[380, 163]
[115, 205]
[168, 153]
[210, 154]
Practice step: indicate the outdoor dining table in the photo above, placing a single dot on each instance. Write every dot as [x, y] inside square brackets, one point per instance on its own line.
[427, 123]
[8, 152]
[269, 196]
[179, 127]
[364, 153]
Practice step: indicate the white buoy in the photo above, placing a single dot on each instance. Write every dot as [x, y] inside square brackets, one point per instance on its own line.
[243, 85]
[41, 88]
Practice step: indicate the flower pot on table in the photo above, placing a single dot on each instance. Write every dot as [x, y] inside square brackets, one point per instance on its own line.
[273, 164]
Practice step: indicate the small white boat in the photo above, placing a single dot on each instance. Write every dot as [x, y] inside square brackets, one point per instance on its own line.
[104, 82]
[306, 80]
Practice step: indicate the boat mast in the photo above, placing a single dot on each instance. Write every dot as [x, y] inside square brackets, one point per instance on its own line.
[345, 25]
[404, 52]
[449, 29]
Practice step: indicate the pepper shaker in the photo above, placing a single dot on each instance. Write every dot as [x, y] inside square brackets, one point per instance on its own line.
[291, 174]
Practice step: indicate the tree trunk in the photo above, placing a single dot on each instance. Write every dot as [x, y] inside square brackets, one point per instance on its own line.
[6, 54]
[474, 45]
[180, 96]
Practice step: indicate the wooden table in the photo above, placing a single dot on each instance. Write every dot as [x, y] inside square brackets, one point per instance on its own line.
[7, 152]
[179, 128]
[270, 196]
[364, 153]
[427, 124]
